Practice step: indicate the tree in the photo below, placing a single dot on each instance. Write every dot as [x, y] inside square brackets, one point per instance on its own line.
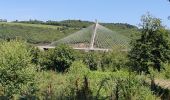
[16, 70]
[92, 60]
[152, 49]
[58, 59]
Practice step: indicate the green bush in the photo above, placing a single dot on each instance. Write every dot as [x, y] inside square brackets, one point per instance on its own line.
[51, 85]
[113, 61]
[118, 85]
[92, 60]
[16, 69]
[78, 77]
[78, 68]
[167, 71]
[79, 84]
[58, 59]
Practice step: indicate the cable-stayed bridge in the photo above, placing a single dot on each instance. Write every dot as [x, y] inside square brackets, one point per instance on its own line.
[93, 38]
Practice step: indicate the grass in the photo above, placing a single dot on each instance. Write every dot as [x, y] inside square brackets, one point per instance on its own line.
[101, 84]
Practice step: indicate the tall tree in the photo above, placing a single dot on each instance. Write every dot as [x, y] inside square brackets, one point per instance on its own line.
[152, 49]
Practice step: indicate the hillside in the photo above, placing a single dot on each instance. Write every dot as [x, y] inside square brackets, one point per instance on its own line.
[33, 33]
[45, 32]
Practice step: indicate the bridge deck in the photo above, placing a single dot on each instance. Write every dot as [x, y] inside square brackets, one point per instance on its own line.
[85, 49]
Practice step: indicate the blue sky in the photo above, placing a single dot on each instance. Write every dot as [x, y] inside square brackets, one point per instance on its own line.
[123, 11]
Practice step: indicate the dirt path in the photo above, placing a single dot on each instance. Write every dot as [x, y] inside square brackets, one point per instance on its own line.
[161, 82]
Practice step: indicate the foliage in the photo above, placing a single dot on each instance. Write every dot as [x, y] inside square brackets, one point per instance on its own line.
[51, 85]
[113, 60]
[78, 76]
[16, 70]
[167, 71]
[79, 69]
[118, 85]
[164, 74]
[77, 23]
[58, 59]
[92, 60]
[35, 52]
[91, 85]
[152, 48]
[105, 61]
[131, 88]
[82, 79]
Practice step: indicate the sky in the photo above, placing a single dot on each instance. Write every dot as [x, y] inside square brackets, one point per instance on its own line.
[111, 11]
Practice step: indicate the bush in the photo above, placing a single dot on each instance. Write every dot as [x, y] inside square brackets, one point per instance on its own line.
[78, 68]
[78, 77]
[16, 70]
[35, 52]
[92, 60]
[58, 59]
[113, 61]
[167, 71]
[119, 85]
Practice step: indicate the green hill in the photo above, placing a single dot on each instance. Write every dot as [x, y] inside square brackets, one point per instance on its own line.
[40, 32]
[33, 33]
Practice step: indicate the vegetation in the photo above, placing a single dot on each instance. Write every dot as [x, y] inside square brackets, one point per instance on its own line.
[152, 49]
[39, 32]
[58, 59]
[16, 70]
[67, 74]
[32, 33]
[78, 82]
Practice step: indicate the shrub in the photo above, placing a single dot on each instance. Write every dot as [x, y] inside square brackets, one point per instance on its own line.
[58, 59]
[16, 70]
[35, 52]
[167, 71]
[113, 61]
[119, 85]
[78, 77]
[92, 60]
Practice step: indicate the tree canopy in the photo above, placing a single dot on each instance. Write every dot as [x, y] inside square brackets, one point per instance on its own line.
[152, 49]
